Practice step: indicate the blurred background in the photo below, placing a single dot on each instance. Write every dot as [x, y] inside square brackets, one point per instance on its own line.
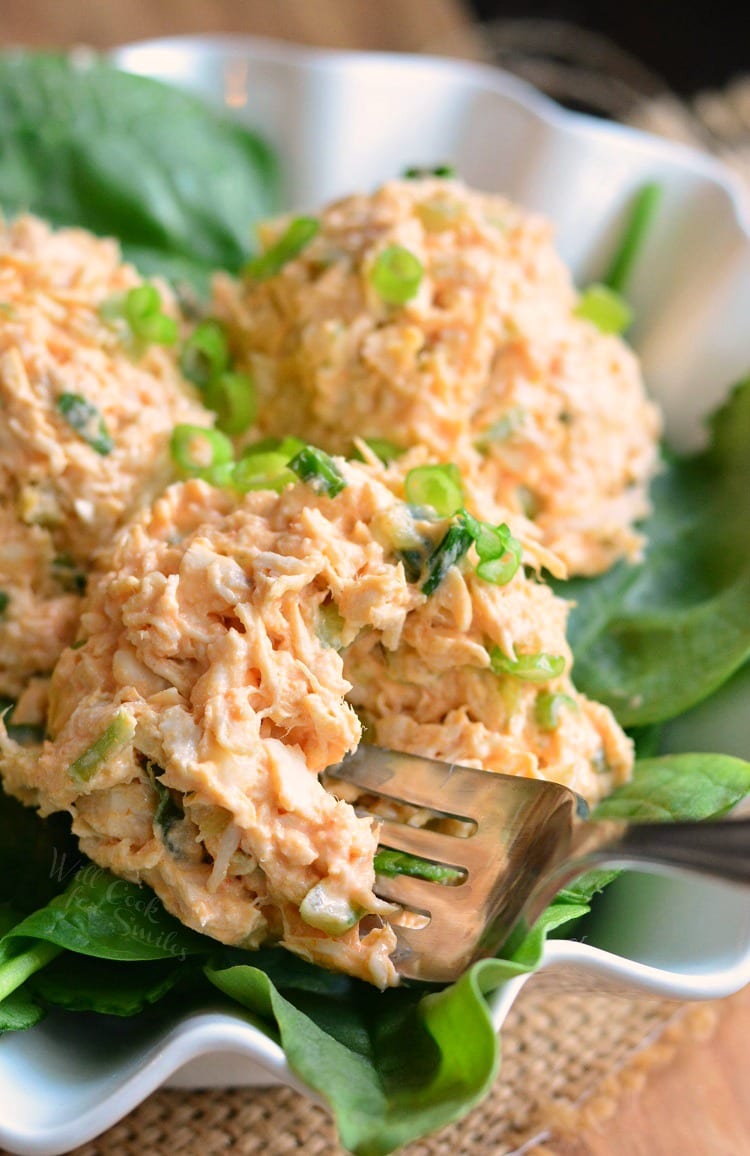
[688, 47]
[681, 70]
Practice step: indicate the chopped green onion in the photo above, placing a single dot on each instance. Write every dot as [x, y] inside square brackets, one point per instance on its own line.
[390, 863]
[396, 275]
[205, 354]
[87, 421]
[167, 812]
[640, 218]
[416, 172]
[330, 913]
[528, 501]
[67, 574]
[221, 475]
[4, 602]
[299, 234]
[604, 308]
[262, 471]
[547, 709]
[386, 450]
[450, 550]
[329, 625]
[288, 446]
[321, 473]
[499, 554]
[413, 562]
[435, 486]
[117, 735]
[503, 428]
[232, 398]
[143, 313]
[196, 449]
[530, 667]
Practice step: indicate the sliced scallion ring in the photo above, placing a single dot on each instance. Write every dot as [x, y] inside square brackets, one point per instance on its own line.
[298, 235]
[547, 709]
[232, 398]
[318, 470]
[195, 449]
[330, 913]
[605, 309]
[143, 313]
[436, 486]
[539, 667]
[205, 354]
[499, 554]
[396, 275]
[262, 471]
[289, 446]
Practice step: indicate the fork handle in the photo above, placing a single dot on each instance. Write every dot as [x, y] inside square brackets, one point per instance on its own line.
[720, 848]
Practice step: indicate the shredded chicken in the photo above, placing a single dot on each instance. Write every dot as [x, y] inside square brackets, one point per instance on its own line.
[60, 498]
[487, 365]
[227, 645]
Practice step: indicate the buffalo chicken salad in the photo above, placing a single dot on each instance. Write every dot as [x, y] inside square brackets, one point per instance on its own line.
[355, 489]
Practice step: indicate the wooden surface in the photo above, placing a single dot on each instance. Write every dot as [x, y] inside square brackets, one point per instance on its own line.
[390, 25]
[699, 1105]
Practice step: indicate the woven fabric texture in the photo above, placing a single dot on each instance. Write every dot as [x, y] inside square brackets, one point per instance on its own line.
[566, 1059]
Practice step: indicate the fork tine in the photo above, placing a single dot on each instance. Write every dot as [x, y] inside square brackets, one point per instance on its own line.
[423, 843]
[521, 825]
[423, 954]
[408, 891]
[412, 779]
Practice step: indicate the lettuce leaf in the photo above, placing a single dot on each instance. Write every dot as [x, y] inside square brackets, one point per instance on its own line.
[653, 639]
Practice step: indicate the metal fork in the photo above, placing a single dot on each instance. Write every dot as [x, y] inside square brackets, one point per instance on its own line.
[528, 841]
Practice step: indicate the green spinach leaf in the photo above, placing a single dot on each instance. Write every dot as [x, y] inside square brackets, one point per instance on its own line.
[110, 918]
[653, 639]
[177, 183]
[80, 983]
[37, 856]
[19, 1012]
[679, 788]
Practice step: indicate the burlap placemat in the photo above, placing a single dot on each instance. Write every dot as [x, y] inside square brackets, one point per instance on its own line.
[566, 1061]
[567, 1058]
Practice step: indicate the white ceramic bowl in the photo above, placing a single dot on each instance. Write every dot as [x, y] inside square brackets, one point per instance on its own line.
[346, 121]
